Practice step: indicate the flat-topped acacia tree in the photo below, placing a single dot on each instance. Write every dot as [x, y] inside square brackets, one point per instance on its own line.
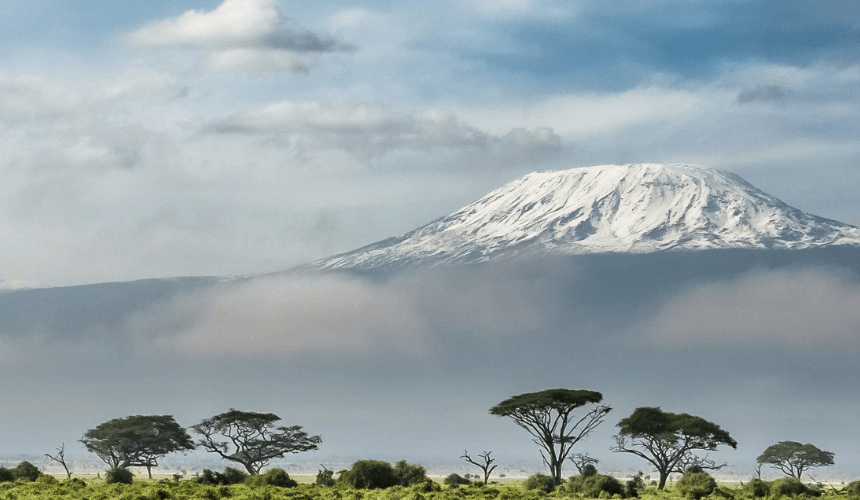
[137, 440]
[251, 438]
[667, 440]
[792, 458]
[549, 417]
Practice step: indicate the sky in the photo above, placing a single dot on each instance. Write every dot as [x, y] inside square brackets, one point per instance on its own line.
[155, 139]
[161, 139]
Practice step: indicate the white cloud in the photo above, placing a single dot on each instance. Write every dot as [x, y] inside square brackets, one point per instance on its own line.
[285, 317]
[240, 34]
[369, 130]
[804, 310]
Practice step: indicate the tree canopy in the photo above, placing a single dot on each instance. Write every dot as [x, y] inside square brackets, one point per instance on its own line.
[792, 458]
[548, 417]
[138, 440]
[251, 438]
[667, 440]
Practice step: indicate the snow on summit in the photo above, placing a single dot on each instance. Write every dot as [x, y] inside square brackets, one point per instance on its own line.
[607, 208]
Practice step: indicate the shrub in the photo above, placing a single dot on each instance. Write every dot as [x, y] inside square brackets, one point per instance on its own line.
[540, 482]
[696, 485]
[409, 474]
[325, 478]
[426, 486]
[233, 476]
[595, 486]
[633, 486]
[6, 475]
[756, 488]
[853, 489]
[369, 474]
[455, 480]
[588, 470]
[229, 476]
[47, 479]
[119, 475]
[791, 486]
[272, 477]
[26, 471]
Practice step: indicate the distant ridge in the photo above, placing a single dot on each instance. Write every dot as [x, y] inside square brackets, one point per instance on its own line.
[634, 208]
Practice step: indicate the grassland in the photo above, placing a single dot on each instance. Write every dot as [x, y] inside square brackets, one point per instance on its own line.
[50, 487]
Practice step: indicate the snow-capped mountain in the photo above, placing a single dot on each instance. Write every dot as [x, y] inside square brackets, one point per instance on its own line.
[606, 209]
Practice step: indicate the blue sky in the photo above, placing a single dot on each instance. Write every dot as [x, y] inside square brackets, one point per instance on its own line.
[245, 136]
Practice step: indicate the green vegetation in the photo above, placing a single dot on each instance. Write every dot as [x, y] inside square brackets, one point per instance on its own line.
[376, 474]
[119, 475]
[275, 484]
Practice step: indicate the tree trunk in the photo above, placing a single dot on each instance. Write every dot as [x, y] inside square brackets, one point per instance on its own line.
[556, 473]
[149, 470]
[250, 469]
[663, 476]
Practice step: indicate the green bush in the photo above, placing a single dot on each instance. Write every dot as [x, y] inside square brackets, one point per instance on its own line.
[756, 488]
[272, 477]
[409, 474]
[26, 471]
[633, 486]
[426, 486]
[6, 475]
[454, 480]
[540, 482]
[47, 479]
[119, 475]
[791, 486]
[853, 489]
[595, 486]
[696, 485]
[369, 474]
[588, 470]
[325, 478]
[228, 477]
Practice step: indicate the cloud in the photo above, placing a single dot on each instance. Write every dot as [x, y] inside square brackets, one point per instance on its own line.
[809, 310]
[770, 92]
[241, 34]
[335, 317]
[369, 131]
[286, 317]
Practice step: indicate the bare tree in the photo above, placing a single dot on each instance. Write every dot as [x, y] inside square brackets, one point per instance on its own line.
[60, 458]
[484, 466]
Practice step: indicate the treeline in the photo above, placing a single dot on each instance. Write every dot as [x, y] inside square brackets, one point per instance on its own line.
[557, 419]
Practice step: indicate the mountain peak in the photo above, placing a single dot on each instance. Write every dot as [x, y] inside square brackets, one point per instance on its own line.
[607, 208]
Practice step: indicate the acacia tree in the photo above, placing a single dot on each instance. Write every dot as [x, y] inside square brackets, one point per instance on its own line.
[251, 438]
[485, 466]
[548, 417]
[792, 458]
[137, 441]
[667, 440]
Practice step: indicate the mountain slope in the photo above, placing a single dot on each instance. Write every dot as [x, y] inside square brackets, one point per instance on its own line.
[609, 208]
